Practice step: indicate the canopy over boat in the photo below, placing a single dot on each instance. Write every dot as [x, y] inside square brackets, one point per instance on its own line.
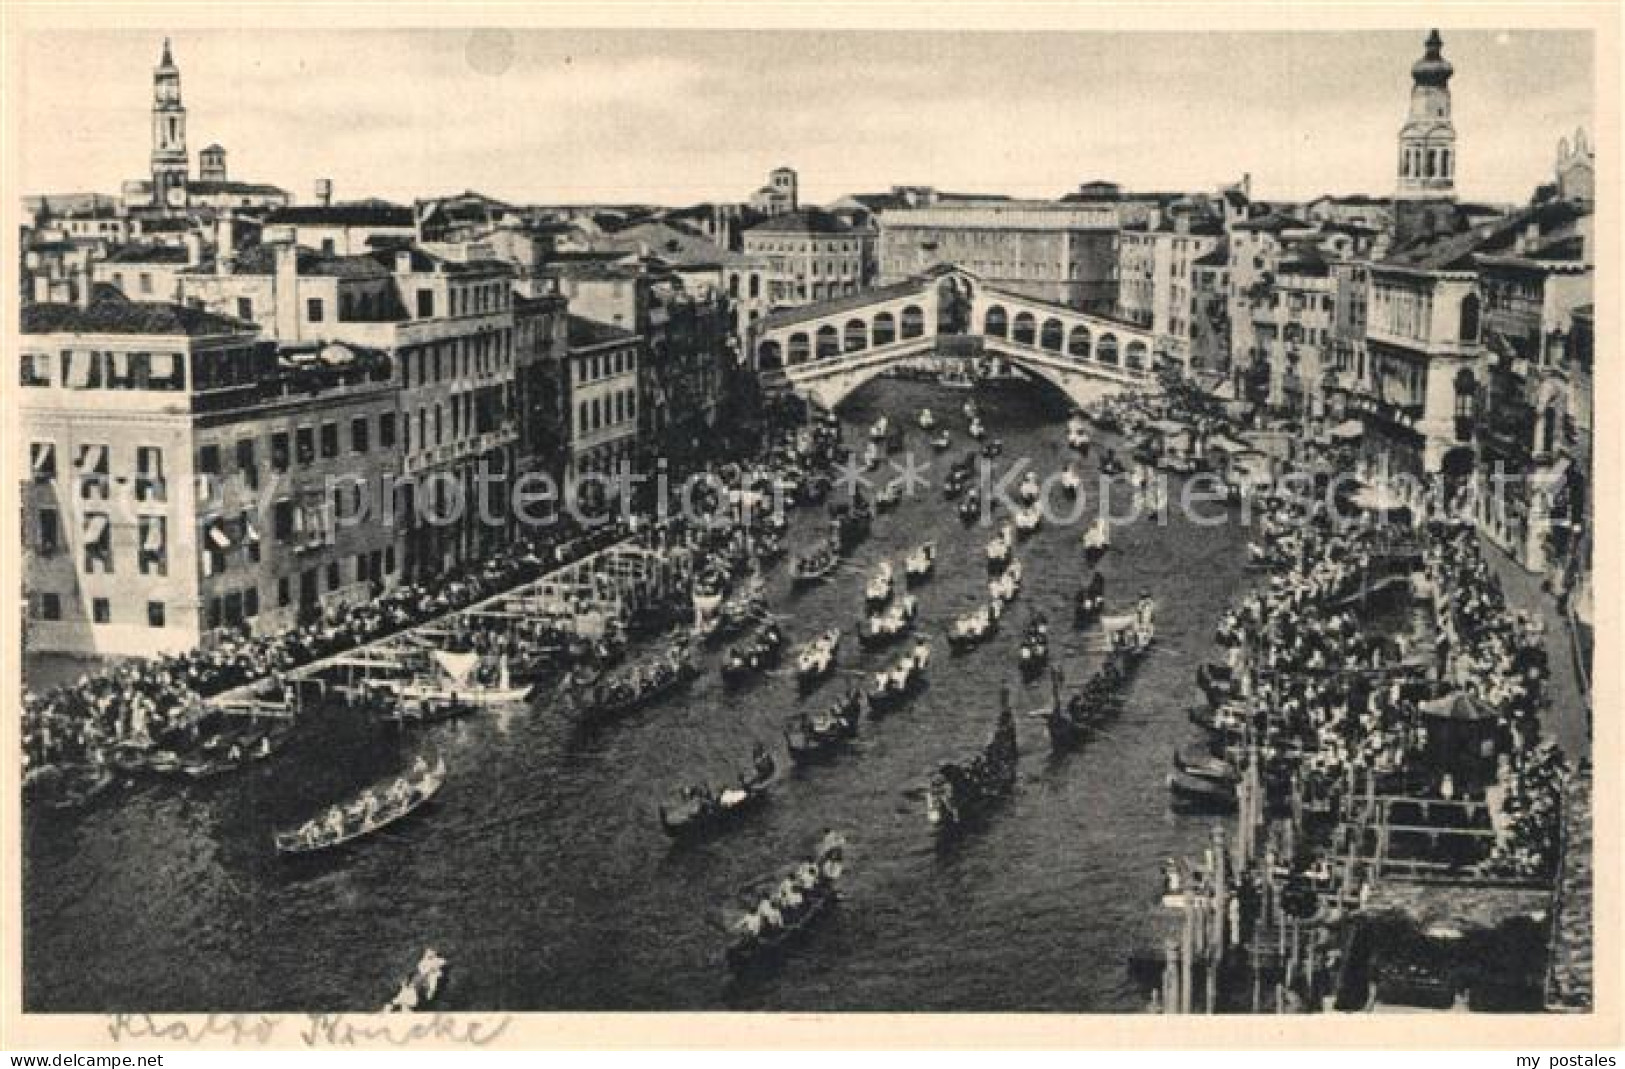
[458, 667]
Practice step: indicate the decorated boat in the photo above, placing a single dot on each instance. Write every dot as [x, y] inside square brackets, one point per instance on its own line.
[817, 738]
[789, 908]
[919, 564]
[641, 684]
[762, 652]
[893, 686]
[376, 807]
[961, 791]
[701, 810]
[465, 677]
[815, 660]
[421, 990]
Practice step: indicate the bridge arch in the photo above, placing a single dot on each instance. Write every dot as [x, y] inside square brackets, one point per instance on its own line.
[1024, 329]
[996, 321]
[856, 337]
[1053, 335]
[800, 348]
[1106, 349]
[769, 356]
[829, 342]
[884, 329]
[1134, 355]
[913, 321]
[1077, 342]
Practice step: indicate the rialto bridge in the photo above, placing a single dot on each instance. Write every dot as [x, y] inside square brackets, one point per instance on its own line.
[825, 351]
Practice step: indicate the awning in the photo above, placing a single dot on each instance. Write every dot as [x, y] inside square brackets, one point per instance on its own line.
[1349, 428]
[44, 459]
[459, 667]
[95, 528]
[218, 537]
[152, 536]
[93, 458]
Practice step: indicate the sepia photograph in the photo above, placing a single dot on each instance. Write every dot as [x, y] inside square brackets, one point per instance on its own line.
[811, 519]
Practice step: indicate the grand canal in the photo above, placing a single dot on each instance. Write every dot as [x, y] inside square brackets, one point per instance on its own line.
[542, 874]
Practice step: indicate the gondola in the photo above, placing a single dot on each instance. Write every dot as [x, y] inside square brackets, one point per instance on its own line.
[643, 685]
[1217, 682]
[993, 449]
[422, 989]
[1030, 489]
[970, 509]
[919, 564]
[1198, 762]
[1070, 482]
[815, 660]
[998, 549]
[927, 420]
[702, 811]
[389, 802]
[425, 711]
[777, 920]
[959, 792]
[812, 739]
[976, 430]
[764, 651]
[1088, 601]
[1028, 521]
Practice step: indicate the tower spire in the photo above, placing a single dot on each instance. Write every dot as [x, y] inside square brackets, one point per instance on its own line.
[1427, 141]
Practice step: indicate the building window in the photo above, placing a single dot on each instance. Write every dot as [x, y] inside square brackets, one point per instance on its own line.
[101, 610]
[50, 535]
[332, 575]
[247, 463]
[251, 602]
[50, 606]
[155, 614]
[282, 520]
[425, 304]
[42, 461]
[389, 559]
[146, 282]
[359, 429]
[208, 460]
[36, 369]
[245, 311]
[313, 309]
[330, 440]
[149, 473]
[279, 451]
[305, 445]
[386, 430]
[153, 555]
[93, 472]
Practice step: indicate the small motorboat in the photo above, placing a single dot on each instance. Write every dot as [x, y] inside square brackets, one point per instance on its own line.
[816, 659]
[927, 420]
[1201, 794]
[918, 565]
[376, 807]
[700, 810]
[419, 712]
[420, 990]
[880, 585]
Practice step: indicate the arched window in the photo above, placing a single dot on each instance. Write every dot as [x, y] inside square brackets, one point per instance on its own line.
[1106, 351]
[1054, 335]
[733, 286]
[1078, 342]
[1548, 429]
[1469, 317]
[913, 321]
[857, 335]
[997, 322]
[768, 357]
[829, 342]
[755, 285]
[1134, 356]
[884, 331]
[800, 349]
[1025, 328]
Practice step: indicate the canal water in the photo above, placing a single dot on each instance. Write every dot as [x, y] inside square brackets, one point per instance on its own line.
[541, 871]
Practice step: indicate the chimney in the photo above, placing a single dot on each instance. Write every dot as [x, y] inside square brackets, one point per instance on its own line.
[324, 192]
[225, 253]
[194, 248]
[286, 289]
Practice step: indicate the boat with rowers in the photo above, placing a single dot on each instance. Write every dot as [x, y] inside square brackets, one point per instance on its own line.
[1077, 434]
[1071, 483]
[1029, 489]
[788, 911]
[762, 652]
[812, 739]
[815, 567]
[815, 660]
[904, 679]
[927, 420]
[878, 590]
[890, 624]
[961, 791]
[700, 810]
[422, 989]
[1028, 520]
[970, 508]
[376, 807]
[1007, 584]
[639, 685]
[975, 627]
[1033, 656]
[999, 548]
[1097, 540]
[464, 677]
[1088, 601]
[919, 564]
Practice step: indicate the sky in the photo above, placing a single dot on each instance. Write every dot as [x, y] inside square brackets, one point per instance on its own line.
[570, 116]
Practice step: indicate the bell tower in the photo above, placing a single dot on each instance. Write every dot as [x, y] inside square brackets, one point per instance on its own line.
[169, 162]
[1427, 141]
